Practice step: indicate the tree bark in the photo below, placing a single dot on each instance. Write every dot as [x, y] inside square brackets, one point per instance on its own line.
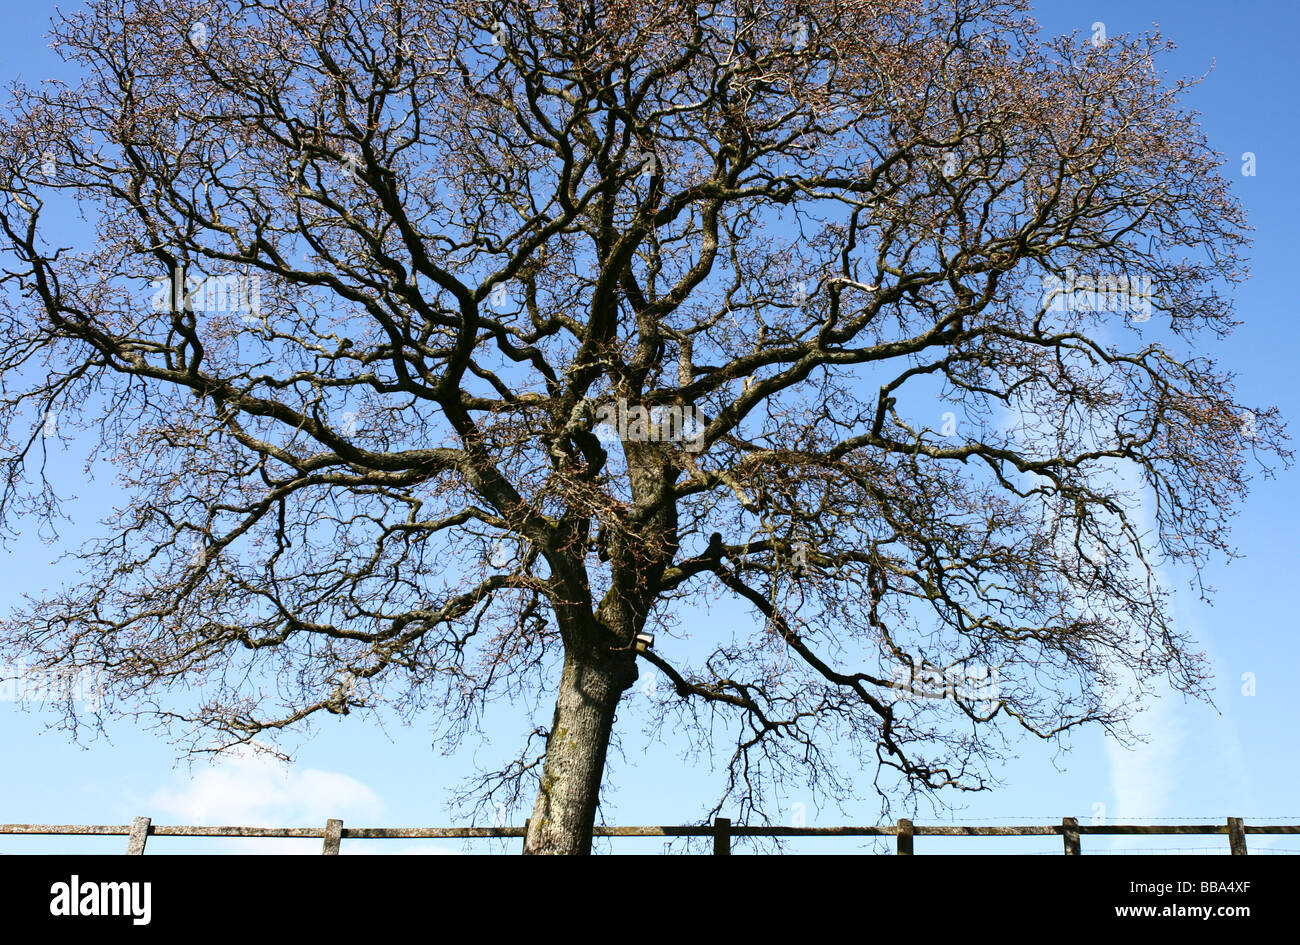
[565, 811]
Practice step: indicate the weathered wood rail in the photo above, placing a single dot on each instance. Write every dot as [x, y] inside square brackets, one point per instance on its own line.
[722, 830]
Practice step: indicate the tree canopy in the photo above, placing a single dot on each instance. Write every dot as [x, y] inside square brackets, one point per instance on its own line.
[449, 352]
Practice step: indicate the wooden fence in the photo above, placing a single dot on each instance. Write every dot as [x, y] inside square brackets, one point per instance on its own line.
[722, 830]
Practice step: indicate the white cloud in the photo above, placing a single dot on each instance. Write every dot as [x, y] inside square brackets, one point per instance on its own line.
[1143, 778]
[248, 788]
[252, 789]
[1150, 781]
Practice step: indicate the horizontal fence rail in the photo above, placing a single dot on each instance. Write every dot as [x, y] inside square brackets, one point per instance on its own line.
[722, 830]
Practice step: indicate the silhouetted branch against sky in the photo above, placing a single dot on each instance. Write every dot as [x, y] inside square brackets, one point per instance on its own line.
[448, 352]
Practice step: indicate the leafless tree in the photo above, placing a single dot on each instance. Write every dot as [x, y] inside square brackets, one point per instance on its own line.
[450, 351]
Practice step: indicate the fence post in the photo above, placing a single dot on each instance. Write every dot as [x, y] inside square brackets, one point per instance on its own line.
[721, 836]
[1070, 831]
[333, 837]
[138, 836]
[905, 833]
[1237, 836]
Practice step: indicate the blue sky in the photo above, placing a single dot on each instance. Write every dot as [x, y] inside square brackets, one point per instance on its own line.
[1202, 763]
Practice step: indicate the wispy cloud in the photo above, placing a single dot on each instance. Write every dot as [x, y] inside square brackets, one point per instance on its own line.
[1144, 778]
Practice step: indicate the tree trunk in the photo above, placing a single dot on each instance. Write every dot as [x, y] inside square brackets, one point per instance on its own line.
[569, 794]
